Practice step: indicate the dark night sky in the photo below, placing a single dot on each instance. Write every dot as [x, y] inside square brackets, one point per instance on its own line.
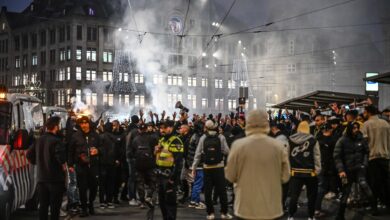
[15, 5]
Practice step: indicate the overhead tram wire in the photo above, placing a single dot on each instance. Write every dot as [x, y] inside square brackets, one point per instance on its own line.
[289, 18]
[216, 31]
[140, 36]
[184, 24]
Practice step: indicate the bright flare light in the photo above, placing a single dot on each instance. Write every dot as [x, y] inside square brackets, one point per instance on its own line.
[204, 54]
[120, 29]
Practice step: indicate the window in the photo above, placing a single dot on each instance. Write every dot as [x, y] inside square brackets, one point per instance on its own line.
[52, 56]
[191, 61]
[205, 103]
[108, 99]
[34, 60]
[139, 100]
[61, 74]
[79, 51]
[232, 104]
[52, 75]
[79, 32]
[91, 34]
[25, 79]
[78, 94]
[254, 103]
[16, 80]
[17, 43]
[68, 73]
[205, 82]
[52, 36]
[192, 81]
[25, 41]
[68, 53]
[107, 76]
[175, 80]
[218, 83]
[24, 60]
[173, 98]
[127, 100]
[34, 40]
[91, 99]
[91, 54]
[43, 38]
[78, 73]
[218, 104]
[192, 101]
[62, 34]
[17, 62]
[175, 60]
[139, 78]
[68, 32]
[158, 79]
[42, 76]
[125, 77]
[107, 56]
[291, 68]
[62, 54]
[43, 58]
[244, 83]
[91, 75]
[231, 84]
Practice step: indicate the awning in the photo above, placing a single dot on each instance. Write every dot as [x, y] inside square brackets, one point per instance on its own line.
[323, 99]
[381, 78]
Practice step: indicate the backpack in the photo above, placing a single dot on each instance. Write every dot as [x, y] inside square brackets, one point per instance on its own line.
[212, 151]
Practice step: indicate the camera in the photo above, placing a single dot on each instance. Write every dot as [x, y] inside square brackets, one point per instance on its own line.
[181, 107]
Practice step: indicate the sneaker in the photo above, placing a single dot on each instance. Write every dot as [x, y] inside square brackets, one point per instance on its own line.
[63, 213]
[149, 202]
[200, 206]
[142, 206]
[330, 195]
[133, 202]
[103, 206]
[110, 206]
[192, 204]
[290, 218]
[226, 216]
[211, 216]
[311, 218]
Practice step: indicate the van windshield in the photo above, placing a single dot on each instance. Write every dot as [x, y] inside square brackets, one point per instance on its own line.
[33, 115]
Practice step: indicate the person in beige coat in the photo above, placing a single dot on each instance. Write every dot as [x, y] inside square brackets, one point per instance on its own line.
[258, 165]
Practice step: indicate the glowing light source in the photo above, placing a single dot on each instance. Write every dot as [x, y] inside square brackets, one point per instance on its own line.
[207, 66]
[204, 54]
[215, 54]
[215, 65]
[120, 29]
[239, 41]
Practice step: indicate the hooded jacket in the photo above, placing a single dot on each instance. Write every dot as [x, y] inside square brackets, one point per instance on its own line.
[257, 166]
[305, 155]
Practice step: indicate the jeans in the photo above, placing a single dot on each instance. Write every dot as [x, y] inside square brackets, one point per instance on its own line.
[50, 194]
[146, 182]
[324, 185]
[131, 180]
[358, 177]
[73, 191]
[167, 198]
[379, 175]
[215, 179]
[197, 186]
[296, 184]
[87, 181]
[107, 176]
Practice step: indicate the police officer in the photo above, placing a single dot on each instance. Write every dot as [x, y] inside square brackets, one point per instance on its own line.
[169, 154]
[83, 158]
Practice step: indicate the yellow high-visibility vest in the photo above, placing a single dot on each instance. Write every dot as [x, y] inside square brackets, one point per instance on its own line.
[165, 157]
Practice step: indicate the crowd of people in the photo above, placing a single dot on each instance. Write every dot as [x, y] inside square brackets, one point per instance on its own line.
[167, 161]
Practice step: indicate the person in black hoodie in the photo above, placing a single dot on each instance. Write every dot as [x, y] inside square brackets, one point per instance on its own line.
[326, 178]
[132, 132]
[143, 148]
[110, 157]
[305, 160]
[83, 157]
[49, 155]
[185, 136]
[351, 158]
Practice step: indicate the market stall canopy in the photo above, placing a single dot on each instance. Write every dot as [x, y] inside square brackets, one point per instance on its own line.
[381, 78]
[322, 98]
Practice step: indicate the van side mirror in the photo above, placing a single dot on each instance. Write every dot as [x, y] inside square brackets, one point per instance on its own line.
[20, 140]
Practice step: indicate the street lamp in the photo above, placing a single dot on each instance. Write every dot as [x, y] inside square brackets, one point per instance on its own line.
[204, 54]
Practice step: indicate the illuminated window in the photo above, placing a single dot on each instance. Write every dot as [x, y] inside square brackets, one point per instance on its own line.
[232, 104]
[139, 100]
[173, 98]
[218, 83]
[90, 75]
[91, 54]
[192, 81]
[231, 84]
[218, 104]
[108, 99]
[192, 101]
[205, 104]
[158, 79]
[78, 53]
[107, 56]
[175, 80]
[107, 76]
[34, 61]
[78, 73]
[139, 78]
